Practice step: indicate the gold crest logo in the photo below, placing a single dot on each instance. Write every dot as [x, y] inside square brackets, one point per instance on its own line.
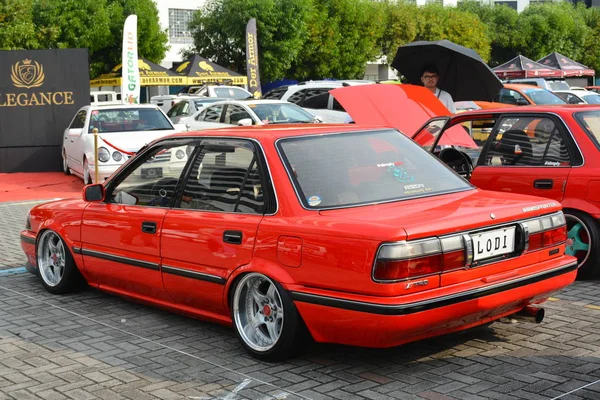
[27, 74]
[205, 66]
[182, 66]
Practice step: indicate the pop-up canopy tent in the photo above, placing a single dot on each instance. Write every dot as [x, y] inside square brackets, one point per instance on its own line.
[566, 65]
[199, 71]
[523, 67]
[150, 75]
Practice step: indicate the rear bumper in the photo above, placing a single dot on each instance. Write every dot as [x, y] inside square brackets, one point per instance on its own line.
[385, 322]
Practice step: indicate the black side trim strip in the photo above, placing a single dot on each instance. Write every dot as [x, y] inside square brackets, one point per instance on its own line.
[123, 260]
[27, 239]
[411, 308]
[76, 250]
[193, 274]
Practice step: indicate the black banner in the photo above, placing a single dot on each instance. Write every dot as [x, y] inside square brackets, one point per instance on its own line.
[40, 92]
[252, 59]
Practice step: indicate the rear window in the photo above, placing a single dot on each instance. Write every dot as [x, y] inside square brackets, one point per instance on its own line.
[115, 120]
[542, 96]
[355, 168]
[590, 122]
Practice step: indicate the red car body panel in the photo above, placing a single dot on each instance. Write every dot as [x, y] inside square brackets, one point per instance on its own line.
[324, 259]
[401, 106]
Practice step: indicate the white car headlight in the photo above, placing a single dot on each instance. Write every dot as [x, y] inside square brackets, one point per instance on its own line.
[179, 154]
[117, 156]
[103, 154]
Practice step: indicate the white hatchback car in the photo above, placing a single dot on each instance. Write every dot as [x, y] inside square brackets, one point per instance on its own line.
[122, 131]
[246, 113]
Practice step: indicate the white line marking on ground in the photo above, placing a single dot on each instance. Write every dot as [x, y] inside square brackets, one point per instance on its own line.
[239, 387]
[574, 390]
[248, 377]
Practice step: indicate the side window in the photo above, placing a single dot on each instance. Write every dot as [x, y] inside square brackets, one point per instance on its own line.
[316, 98]
[174, 111]
[297, 97]
[233, 113]
[337, 106]
[508, 96]
[225, 177]
[79, 120]
[527, 141]
[212, 114]
[152, 183]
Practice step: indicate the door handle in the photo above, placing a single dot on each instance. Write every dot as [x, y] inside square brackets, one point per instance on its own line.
[149, 227]
[233, 237]
[543, 184]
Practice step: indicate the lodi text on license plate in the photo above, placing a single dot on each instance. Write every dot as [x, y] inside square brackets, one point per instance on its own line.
[493, 243]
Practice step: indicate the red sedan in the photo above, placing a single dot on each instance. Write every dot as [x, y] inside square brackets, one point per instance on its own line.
[550, 152]
[357, 234]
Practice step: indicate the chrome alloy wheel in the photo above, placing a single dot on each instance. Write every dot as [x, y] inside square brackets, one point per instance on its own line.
[258, 312]
[578, 239]
[51, 258]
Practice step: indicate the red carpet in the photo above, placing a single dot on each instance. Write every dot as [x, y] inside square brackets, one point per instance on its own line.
[22, 186]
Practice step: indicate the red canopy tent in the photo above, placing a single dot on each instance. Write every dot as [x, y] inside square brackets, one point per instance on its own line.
[566, 65]
[523, 67]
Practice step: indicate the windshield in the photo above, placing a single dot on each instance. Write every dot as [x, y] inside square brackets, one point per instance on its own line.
[558, 85]
[281, 113]
[591, 98]
[354, 168]
[232, 93]
[590, 122]
[128, 120]
[542, 96]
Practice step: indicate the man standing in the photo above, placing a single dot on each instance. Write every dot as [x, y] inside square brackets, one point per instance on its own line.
[430, 78]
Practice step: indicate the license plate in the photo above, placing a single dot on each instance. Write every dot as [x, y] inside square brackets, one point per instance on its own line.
[493, 243]
[149, 173]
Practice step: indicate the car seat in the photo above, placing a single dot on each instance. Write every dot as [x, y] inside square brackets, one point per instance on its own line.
[514, 148]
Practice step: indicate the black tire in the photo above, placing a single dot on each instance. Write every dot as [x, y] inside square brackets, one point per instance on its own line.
[292, 326]
[62, 276]
[582, 231]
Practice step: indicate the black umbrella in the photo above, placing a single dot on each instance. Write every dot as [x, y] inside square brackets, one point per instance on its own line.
[463, 73]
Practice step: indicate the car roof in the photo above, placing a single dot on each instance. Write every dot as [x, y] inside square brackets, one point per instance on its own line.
[252, 101]
[276, 131]
[521, 86]
[533, 109]
[120, 106]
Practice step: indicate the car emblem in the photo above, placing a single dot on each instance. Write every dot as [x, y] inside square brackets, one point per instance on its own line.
[493, 216]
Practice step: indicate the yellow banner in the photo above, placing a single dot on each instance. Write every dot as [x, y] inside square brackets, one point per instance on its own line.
[145, 81]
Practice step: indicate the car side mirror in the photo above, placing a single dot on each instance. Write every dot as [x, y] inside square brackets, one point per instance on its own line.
[181, 127]
[75, 132]
[245, 122]
[318, 119]
[522, 102]
[93, 193]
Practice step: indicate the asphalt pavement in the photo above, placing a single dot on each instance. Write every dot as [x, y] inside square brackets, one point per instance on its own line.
[90, 345]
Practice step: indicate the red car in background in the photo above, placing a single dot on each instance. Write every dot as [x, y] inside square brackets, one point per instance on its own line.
[358, 234]
[551, 151]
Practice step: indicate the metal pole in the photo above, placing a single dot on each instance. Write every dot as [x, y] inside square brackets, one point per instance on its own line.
[95, 131]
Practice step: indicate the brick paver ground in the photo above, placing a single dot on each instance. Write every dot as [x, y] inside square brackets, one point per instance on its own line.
[90, 345]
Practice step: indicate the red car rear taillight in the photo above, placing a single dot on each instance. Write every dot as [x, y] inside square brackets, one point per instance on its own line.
[546, 231]
[408, 260]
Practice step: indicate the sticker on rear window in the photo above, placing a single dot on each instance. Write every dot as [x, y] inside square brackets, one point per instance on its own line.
[314, 201]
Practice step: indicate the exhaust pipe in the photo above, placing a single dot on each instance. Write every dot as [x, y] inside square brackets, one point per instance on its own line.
[530, 314]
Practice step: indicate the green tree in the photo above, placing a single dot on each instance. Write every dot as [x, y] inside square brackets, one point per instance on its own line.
[436, 22]
[342, 37]
[17, 30]
[591, 51]
[549, 27]
[501, 23]
[152, 39]
[219, 33]
[399, 26]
